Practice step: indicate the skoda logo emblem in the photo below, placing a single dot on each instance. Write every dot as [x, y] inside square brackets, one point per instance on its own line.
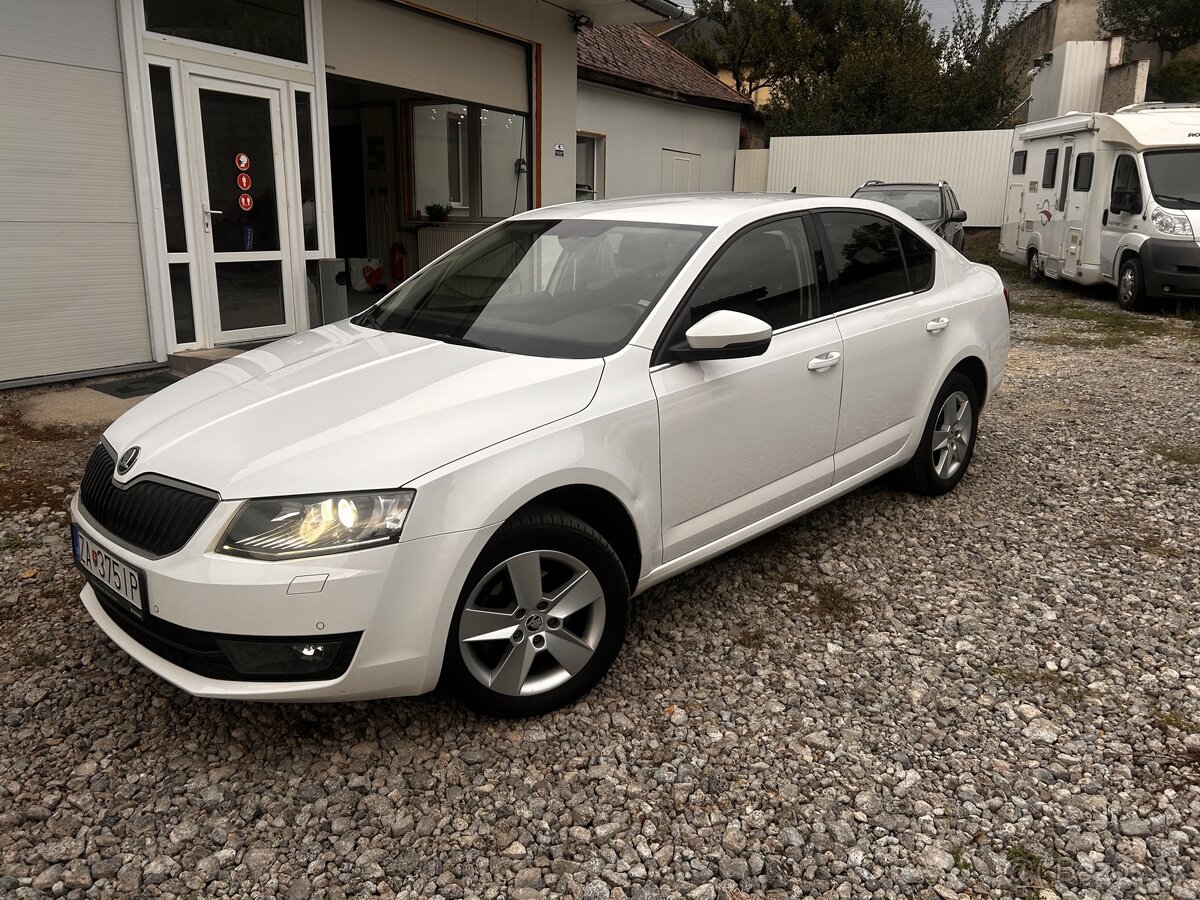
[128, 458]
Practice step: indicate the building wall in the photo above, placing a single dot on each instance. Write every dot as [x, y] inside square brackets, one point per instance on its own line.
[636, 128]
[975, 163]
[72, 291]
[1072, 82]
[551, 27]
[1125, 84]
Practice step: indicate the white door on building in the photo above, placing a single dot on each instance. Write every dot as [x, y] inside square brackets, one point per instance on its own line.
[242, 189]
[680, 172]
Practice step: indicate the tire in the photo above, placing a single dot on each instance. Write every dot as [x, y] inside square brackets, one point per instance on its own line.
[1131, 286]
[940, 464]
[507, 655]
[1036, 273]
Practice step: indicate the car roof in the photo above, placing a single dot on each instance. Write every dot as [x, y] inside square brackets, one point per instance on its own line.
[709, 209]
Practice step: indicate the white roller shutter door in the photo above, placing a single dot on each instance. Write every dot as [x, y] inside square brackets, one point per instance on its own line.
[387, 44]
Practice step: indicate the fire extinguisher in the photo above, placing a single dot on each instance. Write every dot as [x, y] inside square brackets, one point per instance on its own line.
[398, 254]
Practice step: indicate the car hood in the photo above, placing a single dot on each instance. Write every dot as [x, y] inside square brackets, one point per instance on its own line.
[344, 408]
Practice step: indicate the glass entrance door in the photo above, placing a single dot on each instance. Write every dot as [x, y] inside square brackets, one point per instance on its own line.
[247, 248]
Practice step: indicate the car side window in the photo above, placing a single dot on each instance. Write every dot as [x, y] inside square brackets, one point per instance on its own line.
[865, 263]
[766, 272]
[1049, 167]
[953, 201]
[918, 260]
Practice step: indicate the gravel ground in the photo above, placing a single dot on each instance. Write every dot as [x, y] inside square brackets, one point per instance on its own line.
[991, 694]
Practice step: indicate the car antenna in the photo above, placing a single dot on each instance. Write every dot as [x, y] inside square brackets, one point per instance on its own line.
[794, 186]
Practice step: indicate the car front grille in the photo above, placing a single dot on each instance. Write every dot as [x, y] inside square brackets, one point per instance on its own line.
[147, 515]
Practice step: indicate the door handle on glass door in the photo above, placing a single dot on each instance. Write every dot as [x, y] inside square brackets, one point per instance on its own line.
[819, 363]
[208, 214]
[936, 325]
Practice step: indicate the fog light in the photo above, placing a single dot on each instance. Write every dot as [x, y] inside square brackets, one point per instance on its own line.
[280, 657]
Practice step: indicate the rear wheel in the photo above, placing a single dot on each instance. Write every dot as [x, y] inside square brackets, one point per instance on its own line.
[1035, 266]
[540, 619]
[1131, 286]
[948, 442]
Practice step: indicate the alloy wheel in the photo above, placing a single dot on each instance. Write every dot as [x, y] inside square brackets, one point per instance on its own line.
[1127, 287]
[532, 623]
[952, 435]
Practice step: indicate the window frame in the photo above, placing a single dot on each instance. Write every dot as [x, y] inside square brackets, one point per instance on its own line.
[828, 248]
[1068, 155]
[1019, 157]
[473, 207]
[1050, 167]
[662, 346]
[1137, 181]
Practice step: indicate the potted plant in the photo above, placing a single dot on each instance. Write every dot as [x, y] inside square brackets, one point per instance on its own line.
[437, 212]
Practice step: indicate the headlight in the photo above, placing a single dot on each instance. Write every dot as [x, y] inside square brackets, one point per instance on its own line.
[1170, 223]
[307, 526]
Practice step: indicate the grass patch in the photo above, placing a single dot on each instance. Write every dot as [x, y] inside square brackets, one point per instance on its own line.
[753, 639]
[832, 602]
[1043, 681]
[15, 542]
[1167, 718]
[1026, 864]
[1185, 454]
[35, 659]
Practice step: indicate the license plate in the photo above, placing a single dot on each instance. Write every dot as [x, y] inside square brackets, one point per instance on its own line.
[121, 578]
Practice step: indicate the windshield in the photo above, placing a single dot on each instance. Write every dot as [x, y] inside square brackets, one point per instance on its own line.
[920, 203]
[569, 288]
[1174, 177]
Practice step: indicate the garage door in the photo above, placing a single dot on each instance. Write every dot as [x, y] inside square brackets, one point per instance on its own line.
[386, 44]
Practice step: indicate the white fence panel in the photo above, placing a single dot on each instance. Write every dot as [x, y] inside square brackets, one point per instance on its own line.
[750, 170]
[974, 162]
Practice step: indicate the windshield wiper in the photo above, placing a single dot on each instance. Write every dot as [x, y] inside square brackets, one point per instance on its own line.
[1167, 198]
[466, 342]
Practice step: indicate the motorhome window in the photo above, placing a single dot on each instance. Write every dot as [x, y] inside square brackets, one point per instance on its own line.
[1019, 162]
[1084, 163]
[1066, 179]
[1049, 167]
[1174, 177]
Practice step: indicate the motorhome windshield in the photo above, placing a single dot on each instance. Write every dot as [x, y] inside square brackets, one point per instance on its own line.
[1175, 177]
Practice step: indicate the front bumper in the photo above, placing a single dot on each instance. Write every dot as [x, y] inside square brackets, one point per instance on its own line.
[1171, 267]
[389, 606]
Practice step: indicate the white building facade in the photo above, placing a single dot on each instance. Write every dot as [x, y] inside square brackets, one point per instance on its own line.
[180, 174]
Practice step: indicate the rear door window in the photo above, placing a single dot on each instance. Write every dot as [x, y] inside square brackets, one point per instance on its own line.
[864, 262]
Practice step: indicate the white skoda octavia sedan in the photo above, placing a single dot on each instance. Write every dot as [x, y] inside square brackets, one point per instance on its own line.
[466, 484]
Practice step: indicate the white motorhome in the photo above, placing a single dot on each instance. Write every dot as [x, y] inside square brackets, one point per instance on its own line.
[1111, 197]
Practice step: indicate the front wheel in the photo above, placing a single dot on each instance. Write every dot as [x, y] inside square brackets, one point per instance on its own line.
[540, 619]
[948, 441]
[1131, 286]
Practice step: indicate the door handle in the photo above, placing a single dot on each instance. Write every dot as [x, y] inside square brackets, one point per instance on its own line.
[935, 325]
[208, 214]
[820, 363]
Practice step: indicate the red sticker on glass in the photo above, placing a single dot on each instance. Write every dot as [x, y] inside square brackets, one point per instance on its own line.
[246, 202]
[242, 161]
[243, 181]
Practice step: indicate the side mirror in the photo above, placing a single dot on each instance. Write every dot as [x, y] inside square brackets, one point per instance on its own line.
[725, 334]
[1125, 202]
[959, 215]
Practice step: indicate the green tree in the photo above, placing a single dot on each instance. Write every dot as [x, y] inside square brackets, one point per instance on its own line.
[1172, 24]
[1177, 82]
[760, 42]
[981, 83]
[873, 67]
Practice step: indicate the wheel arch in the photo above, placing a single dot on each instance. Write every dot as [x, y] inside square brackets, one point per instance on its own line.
[976, 371]
[603, 511]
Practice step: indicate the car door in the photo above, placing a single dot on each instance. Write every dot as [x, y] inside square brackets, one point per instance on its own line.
[892, 322]
[741, 439]
[1125, 203]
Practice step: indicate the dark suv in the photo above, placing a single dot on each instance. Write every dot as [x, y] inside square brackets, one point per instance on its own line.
[933, 204]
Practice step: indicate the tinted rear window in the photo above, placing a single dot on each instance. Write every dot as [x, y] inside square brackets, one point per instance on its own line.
[866, 263]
